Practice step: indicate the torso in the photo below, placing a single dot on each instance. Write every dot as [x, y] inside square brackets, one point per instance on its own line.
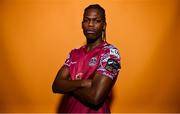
[83, 65]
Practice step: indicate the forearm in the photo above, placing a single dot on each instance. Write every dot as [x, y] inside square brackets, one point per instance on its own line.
[96, 94]
[86, 95]
[65, 86]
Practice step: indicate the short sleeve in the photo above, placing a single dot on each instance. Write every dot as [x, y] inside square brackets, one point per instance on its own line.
[68, 60]
[109, 64]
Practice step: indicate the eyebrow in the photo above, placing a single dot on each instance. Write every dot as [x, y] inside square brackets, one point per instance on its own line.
[92, 17]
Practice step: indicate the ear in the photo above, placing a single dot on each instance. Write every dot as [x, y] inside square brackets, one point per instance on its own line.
[104, 26]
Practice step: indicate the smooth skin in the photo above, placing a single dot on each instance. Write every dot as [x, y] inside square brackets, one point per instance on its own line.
[92, 91]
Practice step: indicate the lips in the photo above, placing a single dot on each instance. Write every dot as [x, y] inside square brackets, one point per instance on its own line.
[90, 31]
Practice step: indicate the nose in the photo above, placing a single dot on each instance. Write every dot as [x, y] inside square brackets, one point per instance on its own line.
[91, 23]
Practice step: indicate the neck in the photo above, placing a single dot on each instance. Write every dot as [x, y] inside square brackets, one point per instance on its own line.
[92, 43]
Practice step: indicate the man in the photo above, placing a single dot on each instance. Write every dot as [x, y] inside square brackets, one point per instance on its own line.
[89, 73]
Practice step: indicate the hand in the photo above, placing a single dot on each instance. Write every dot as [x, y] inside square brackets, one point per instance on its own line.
[86, 83]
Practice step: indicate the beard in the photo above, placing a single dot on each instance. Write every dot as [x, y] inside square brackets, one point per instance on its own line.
[93, 38]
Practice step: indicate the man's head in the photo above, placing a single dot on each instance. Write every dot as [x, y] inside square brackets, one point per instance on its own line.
[94, 22]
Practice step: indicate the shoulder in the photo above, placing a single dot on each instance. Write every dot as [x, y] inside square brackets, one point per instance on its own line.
[76, 50]
[74, 53]
[111, 50]
[109, 64]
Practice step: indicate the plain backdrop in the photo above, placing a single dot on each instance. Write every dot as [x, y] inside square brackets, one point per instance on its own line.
[37, 35]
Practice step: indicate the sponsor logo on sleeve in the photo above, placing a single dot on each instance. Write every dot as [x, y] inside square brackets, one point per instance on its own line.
[114, 52]
[112, 66]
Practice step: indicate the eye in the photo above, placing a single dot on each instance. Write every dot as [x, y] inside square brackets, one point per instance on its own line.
[97, 21]
[85, 20]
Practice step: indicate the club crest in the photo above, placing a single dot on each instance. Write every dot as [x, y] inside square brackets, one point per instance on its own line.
[93, 61]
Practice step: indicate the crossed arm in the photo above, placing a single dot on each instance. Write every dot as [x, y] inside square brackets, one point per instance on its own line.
[91, 91]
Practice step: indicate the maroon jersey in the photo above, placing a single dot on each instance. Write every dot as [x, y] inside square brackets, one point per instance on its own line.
[103, 59]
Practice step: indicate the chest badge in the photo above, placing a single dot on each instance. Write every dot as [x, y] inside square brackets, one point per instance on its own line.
[93, 61]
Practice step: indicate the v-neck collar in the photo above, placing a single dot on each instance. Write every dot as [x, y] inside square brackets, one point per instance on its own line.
[98, 46]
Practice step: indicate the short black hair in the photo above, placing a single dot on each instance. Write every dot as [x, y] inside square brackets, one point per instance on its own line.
[99, 8]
